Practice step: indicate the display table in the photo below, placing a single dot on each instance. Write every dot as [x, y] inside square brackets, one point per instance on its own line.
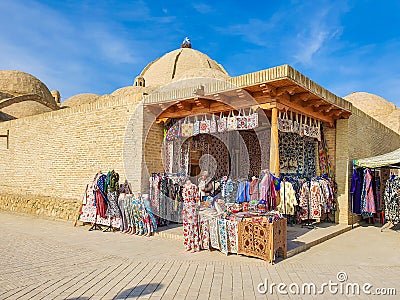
[255, 237]
[262, 239]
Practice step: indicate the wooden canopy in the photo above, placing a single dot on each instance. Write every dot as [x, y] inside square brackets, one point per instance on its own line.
[281, 87]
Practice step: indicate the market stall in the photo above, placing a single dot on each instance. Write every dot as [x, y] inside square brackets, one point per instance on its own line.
[375, 188]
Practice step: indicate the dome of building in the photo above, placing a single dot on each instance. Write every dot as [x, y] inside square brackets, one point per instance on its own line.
[202, 73]
[378, 108]
[393, 120]
[79, 99]
[56, 95]
[128, 91]
[371, 104]
[23, 95]
[180, 63]
[19, 83]
[25, 109]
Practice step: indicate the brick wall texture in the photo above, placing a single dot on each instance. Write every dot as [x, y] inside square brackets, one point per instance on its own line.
[358, 137]
[54, 155]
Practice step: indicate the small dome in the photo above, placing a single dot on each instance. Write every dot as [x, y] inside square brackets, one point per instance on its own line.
[25, 109]
[378, 108]
[371, 104]
[56, 95]
[393, 120]
[129, 91]
[79, 99]
[23, 95]
[175, 64]
[19, 83]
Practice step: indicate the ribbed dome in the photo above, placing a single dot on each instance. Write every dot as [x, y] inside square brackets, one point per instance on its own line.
[23, 95]
[378, 108]
[128, 91]
[19, 83]
[371, 104]
[25, 109]
[79, 99]
[175, 64]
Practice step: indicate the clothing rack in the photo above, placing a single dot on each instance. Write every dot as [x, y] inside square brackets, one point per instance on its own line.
[308, 224]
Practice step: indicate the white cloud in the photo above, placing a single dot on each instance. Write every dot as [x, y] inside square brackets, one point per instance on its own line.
[202, 8]
[66, 52]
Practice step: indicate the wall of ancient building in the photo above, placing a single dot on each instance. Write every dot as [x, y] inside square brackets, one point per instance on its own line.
[52, 156]
[358, 137]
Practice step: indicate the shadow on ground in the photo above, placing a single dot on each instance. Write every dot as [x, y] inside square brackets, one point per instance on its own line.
[140, 290]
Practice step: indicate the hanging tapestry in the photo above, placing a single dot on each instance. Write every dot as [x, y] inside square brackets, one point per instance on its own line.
[297, 155]
[223, 235]
[232, 229]
[214, 233]
[323, 154]
[392, 200]
[204, 234]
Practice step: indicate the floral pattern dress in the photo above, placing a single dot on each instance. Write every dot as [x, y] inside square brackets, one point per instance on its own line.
[367, 198]
[392, 200]
[190, 217]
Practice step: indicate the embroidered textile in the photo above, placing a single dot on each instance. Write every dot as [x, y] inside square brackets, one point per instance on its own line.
[223, 235]
[232, 230]
[367, 197]
[214, 237]
[392, 200]
[190, 217]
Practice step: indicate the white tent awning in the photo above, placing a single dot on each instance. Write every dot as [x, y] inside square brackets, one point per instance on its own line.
[388, 159]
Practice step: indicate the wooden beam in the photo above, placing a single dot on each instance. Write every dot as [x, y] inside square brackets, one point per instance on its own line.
[153, 109]
[274, 165]
[202, 102]
[184, 105]
[320, 108]
[311, 102]
[306, 111]
[223, 98]
[302, 96]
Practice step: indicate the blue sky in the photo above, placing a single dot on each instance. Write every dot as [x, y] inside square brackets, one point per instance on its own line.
[99, 46]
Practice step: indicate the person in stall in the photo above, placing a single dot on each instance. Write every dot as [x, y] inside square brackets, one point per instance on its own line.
[205, 186]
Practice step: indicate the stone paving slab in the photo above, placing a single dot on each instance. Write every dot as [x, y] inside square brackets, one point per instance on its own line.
[53, 260]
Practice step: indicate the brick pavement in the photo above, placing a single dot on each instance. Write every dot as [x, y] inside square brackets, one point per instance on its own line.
[44, 259]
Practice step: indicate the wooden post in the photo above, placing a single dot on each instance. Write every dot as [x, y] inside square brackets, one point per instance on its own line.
[274, 165]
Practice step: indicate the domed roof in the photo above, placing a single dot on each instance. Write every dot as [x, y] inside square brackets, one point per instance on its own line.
[23, 95]
[79, 99]
[371, 104]
[128, 91]
[19, 83]
[202, 73]
[378, 108]
[175, 64]
[24, 109]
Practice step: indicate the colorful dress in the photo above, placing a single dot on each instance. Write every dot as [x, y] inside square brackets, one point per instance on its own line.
[88, 212]
[254, 189]
[150, 223]
[367, 198]
[190, 217]
[392, 200]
